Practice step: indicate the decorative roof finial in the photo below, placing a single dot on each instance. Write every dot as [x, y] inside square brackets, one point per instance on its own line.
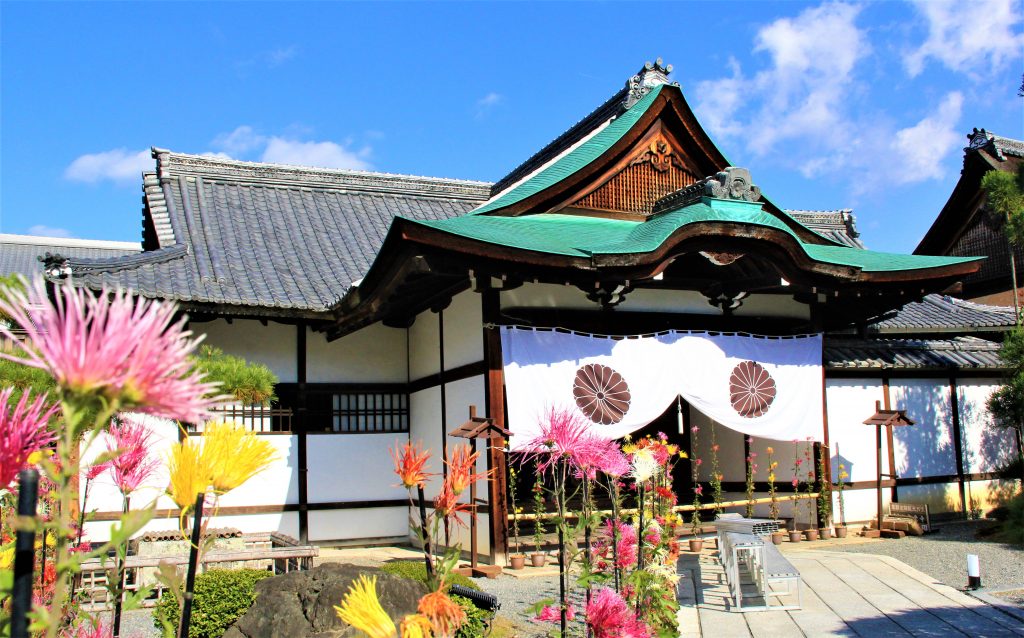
[650, 76]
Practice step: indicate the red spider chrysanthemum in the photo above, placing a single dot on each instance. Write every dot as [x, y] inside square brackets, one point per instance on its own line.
[601, 393]
[410, 464]
[751, 389]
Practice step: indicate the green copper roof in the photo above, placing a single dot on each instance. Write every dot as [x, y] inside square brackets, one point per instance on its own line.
[576, 159]
[580, 236]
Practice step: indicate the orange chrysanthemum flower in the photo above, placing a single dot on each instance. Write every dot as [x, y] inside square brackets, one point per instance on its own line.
[447, 504]
[461, 463]
[446, 616]
[410, 465]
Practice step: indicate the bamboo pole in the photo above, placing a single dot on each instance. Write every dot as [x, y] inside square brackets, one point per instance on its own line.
[680, 508]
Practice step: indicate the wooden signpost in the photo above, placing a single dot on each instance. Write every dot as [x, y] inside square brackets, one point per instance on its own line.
[884, 418]
[478, 428]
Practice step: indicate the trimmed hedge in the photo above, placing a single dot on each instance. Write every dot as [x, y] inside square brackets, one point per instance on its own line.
[221, 597]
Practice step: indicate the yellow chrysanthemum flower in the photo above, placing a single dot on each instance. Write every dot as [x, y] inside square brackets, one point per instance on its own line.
[361, 609]
[416, 626]
[233, 455]
[7, 558]
[189, 473]
[35, 458]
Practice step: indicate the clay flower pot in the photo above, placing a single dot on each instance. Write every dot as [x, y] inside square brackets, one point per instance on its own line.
[538, 559]
[778, 537]
[795, 536]
[840, 531]
[696, 545]
[826, 533]
[517, 561]
[811, 534]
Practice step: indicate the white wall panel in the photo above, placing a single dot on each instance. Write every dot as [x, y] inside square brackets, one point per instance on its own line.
[425, 428]
[463, 331]
[352, 467]
[272, 345]
[925, 448]
[424, 353]
[986, 448]
[850, 402]
[363, 523]
[375, 354]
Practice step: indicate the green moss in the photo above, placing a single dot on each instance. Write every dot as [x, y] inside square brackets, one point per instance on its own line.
[417, 570]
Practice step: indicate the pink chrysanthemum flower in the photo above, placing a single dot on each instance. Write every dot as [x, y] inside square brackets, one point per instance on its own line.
[614, 463]
[608, 616]
[563, 435]
[22, 431]
[627, 536]
[552, 613]
[133, 465]
[110, 345]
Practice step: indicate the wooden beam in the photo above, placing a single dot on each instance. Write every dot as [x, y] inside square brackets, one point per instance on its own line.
[301, 429]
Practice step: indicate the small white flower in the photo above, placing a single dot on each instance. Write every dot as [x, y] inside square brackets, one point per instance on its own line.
[644, 465]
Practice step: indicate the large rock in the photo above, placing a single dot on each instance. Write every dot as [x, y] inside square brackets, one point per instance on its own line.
[301, 604]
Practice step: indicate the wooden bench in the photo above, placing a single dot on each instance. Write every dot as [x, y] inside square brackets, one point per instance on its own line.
[766, 566]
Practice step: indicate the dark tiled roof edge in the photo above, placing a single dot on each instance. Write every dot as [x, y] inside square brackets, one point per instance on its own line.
[169, 163]
[942, 313]
[842, 353]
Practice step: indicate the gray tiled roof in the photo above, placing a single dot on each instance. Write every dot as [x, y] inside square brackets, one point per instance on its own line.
[20, 253]
[911, 354]
[837, 225]
[941, 313]
[246, 234]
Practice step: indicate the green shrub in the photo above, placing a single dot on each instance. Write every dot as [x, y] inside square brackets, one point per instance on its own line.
[1012, 528]
[248, 383]
[221, 597]
[417, 570]
[476, 619]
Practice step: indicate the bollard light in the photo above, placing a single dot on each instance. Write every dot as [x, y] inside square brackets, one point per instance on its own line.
[973, 572]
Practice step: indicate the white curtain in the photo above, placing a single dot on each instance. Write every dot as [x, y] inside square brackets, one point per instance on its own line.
[769, 387]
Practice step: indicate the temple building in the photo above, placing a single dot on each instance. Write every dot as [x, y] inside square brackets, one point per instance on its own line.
[627, 271]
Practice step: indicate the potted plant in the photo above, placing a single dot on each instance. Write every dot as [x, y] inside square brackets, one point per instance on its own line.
[518, 559]
[840, 485]
[538, 558]
[812, 532]
[751, 471]
[696, 543]
[824, 495]
[773, 506]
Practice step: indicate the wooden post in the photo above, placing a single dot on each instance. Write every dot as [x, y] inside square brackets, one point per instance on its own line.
[958, 443]
[300, 427]
[495, 407]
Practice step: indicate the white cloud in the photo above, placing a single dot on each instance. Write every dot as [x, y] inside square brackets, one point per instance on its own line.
[488, 102]
[925, 145]
[804, 90]
[277, 57]
[972, 37]
[118, 165]
[324, 154]
[49, 231]
[239, 141]
[246, 143]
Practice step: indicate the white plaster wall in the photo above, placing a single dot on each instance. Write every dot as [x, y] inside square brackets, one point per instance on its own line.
[354, 524]
[463, 332]
[925, 448]
[352, 467]
[986, 495]
[986, 448]
[425, 428]
[861, 505]
[272, 345]
[939, 497]
[285, 522]
[375, 354]
[850, 402]
[424, 353]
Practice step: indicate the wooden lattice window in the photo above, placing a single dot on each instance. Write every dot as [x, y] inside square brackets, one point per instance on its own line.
[370, 412]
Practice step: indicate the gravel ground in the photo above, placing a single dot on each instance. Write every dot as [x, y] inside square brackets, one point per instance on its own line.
[943, 555]
[518, 595]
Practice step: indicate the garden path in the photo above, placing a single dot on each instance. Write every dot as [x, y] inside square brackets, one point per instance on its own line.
[844, 595]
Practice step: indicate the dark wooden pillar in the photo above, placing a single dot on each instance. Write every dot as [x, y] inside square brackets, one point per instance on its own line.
[954, 402]
[300, 427]
[495, 406]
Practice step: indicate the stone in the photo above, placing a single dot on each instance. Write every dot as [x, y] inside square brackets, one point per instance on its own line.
[301, 604]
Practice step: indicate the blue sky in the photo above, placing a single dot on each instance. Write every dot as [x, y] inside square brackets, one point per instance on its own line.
[831, 105]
